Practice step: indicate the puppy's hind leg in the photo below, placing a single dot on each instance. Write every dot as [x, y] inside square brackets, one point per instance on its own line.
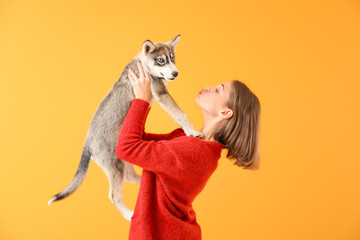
[131, 175]
[116, 177]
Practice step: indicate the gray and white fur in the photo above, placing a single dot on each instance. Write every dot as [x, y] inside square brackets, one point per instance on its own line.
[158, 59]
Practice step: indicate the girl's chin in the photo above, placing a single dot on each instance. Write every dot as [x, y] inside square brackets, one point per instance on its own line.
[198, 103]
[197, 100]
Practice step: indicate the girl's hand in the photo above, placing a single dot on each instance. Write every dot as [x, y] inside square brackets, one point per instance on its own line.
[142, 89]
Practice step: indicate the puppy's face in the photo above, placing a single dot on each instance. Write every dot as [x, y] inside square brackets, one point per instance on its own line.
[159, 59]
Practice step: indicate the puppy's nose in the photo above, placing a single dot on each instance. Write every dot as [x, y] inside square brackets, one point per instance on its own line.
[175, 74]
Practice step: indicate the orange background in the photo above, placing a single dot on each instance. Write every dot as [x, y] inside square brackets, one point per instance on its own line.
[58, 60]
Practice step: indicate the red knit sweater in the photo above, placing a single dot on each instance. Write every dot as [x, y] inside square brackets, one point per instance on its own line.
[175, 170]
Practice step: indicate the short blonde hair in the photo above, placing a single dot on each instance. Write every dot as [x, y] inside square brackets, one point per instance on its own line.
[240, 133]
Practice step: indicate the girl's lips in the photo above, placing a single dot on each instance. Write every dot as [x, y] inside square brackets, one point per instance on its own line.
[201, 91]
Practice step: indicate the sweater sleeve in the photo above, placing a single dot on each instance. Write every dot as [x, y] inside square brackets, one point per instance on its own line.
[131, 147]
[164, 136]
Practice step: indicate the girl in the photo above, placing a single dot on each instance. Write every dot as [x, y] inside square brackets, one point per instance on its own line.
[176, 167]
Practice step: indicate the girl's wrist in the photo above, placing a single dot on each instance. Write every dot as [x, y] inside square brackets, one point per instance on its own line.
[145, 99]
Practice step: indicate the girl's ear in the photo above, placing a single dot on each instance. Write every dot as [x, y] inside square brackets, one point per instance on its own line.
[227, 113]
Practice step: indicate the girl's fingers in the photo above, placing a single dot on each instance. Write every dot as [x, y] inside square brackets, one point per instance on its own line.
[133, 75]
[130, 77]
[144, 75]
[147, 75]
[132, 81]
[141, 71]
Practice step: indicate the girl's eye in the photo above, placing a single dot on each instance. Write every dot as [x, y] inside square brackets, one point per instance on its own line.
[216, 90]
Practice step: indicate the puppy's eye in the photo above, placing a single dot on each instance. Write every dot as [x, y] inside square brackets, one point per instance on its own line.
[160, 60]
[172, 58]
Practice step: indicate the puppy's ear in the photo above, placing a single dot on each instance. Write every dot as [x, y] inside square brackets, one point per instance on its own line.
[148, 47]
[174, 42]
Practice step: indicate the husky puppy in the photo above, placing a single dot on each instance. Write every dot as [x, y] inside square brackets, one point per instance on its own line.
[158, 59]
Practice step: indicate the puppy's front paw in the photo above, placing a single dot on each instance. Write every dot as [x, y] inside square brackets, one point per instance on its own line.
[193, 133]
[129, 215]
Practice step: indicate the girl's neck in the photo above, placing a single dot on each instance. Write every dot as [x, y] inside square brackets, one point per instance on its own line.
[207, 134]
[209, 127]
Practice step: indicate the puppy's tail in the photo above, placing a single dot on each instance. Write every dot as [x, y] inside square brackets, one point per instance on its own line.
[78, 179]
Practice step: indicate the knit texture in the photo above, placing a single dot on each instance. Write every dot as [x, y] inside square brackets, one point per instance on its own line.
[176, 168]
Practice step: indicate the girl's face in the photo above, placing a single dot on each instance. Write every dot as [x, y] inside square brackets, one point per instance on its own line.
[212, 100]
